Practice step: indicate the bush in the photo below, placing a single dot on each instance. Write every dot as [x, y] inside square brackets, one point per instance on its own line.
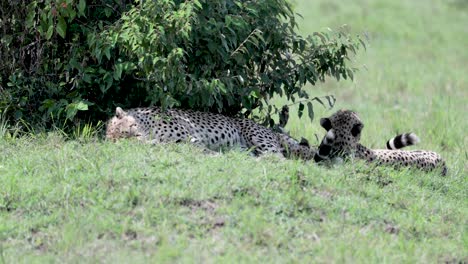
[62, 57]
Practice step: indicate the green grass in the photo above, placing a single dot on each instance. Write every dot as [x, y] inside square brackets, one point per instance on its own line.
[92, 201]
[127, 201]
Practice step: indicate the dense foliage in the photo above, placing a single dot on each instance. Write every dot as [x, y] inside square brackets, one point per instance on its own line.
[58, 57]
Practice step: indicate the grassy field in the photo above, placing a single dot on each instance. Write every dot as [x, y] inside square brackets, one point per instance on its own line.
[94, 201]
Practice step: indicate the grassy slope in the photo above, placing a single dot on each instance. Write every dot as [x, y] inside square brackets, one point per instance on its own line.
[130, 202]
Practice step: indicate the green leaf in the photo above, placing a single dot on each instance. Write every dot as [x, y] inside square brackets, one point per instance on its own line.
[81, 106]
[118, 71]
[362, 43]
[71, 13]
[331, 100]
[321, 36]
[284, 116]
[50, 31]
[31, 14]
[319, 100]
[301, 110]
[310, 111]
[61, 27]
[107, 53]
[81, 8]
[71, 111]
[350, 74]
[74, 107]
[108, 12]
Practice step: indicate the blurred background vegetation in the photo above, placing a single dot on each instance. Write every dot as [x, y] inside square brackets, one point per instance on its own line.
[412, 76]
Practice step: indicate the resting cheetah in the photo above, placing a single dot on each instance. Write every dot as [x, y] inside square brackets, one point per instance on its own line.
[342, 139]
[210, 130]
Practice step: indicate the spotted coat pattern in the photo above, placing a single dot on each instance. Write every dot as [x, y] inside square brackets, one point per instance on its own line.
[213, 131]
[342, 140]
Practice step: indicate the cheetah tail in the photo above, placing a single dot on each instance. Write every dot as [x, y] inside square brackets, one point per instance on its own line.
[403, 140]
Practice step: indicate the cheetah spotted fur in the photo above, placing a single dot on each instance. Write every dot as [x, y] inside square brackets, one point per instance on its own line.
[342, 139]
[213, 131]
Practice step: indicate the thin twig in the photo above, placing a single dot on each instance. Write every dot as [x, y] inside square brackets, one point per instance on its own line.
[243, 42]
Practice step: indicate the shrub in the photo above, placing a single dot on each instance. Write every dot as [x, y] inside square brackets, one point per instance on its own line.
[60, 58]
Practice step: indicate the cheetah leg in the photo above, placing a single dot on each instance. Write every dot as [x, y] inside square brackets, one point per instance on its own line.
[197, 142]
[263, 147]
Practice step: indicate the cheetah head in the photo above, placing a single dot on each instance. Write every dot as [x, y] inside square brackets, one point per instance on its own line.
[122, 125]
[343, 135]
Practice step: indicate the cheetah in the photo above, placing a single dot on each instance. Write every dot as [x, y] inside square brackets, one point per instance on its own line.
[209, 130]
[342, 140]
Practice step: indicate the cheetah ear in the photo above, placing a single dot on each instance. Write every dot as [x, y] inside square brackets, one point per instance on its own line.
[120, 113]
[356, 130]
[304, 142]
[326, 123]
